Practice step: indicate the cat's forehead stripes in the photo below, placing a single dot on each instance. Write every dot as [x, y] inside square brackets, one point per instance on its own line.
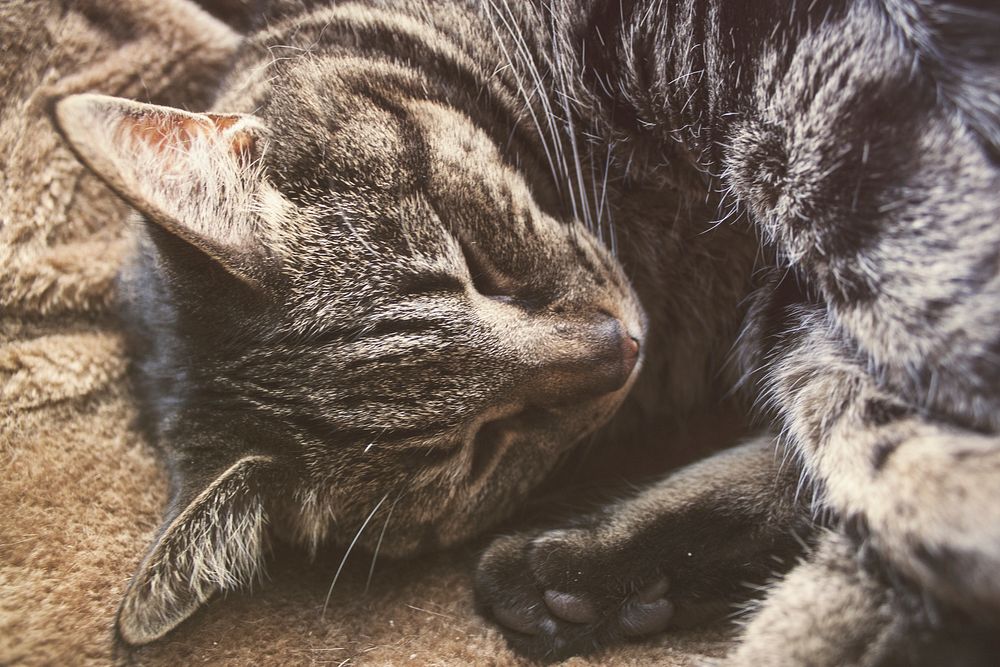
[393, 44]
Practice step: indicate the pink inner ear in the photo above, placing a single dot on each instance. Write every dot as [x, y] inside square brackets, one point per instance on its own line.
[242, 142]
[165, 132]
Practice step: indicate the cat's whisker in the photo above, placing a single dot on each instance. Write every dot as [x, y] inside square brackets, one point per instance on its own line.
[602, 202]
[734, 212]
[565, 97]
[529, 60]
[524, 94]
[350, 548]
[378, 545]
[557, 128]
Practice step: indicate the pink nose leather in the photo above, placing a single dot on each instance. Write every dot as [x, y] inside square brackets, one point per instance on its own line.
[630, 354]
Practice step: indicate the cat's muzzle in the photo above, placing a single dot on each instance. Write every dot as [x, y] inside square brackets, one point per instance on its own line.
[586, 360]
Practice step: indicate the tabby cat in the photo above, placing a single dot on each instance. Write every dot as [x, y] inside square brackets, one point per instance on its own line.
[425, 248]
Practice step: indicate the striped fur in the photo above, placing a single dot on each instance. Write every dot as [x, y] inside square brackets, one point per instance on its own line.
[796, 201]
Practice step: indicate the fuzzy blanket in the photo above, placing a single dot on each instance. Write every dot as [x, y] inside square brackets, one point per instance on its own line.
[80, 491]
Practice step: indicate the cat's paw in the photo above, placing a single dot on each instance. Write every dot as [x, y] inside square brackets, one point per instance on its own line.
[568, 592]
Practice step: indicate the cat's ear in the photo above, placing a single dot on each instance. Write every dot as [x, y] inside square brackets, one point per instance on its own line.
[195, 174]
[213, 543]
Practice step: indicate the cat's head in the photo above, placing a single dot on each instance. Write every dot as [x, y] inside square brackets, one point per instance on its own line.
[362, 326]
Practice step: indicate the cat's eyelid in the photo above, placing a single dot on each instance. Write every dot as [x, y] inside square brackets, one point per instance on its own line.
[485, 277]
[432, 282]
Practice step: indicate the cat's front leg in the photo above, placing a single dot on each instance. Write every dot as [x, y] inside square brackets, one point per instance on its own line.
[921, 491]
[827, 612]
[677, 553]
[832, 610]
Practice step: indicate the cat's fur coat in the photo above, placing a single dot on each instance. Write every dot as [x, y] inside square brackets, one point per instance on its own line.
[811, 186]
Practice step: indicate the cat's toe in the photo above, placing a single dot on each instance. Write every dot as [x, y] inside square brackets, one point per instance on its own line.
[648, 612]
[570, 607]
[525, 617]
[533, 629]
[640, 619]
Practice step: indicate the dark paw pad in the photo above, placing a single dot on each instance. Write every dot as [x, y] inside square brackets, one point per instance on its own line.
[649, 612]
[572, 608]
[555, 595]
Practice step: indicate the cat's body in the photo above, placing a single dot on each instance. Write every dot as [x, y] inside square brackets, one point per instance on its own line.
[803, 200]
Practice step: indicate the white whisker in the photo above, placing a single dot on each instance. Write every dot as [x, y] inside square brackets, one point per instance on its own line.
[556, 137]
[343, 560]
[522, 90]
[564, 96]
[378, 545]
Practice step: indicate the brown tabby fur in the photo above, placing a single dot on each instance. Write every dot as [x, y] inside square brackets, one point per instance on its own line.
[374, 288]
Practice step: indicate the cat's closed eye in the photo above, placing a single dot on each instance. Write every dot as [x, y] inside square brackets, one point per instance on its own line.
[384, 327]
[485, 277]
[430, 283]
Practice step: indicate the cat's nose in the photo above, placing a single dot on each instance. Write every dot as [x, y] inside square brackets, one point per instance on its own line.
[630, 353]
[623, 351]
[582, 360]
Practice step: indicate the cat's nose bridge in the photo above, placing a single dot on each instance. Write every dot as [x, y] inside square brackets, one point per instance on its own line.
[570, 360]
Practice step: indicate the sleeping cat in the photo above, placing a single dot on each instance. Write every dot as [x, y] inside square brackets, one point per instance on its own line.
[424, 249]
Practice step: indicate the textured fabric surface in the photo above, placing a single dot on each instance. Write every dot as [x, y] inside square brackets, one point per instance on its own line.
[80, 491]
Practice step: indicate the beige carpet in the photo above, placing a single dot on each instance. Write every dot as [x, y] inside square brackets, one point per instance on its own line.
[80, 491]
